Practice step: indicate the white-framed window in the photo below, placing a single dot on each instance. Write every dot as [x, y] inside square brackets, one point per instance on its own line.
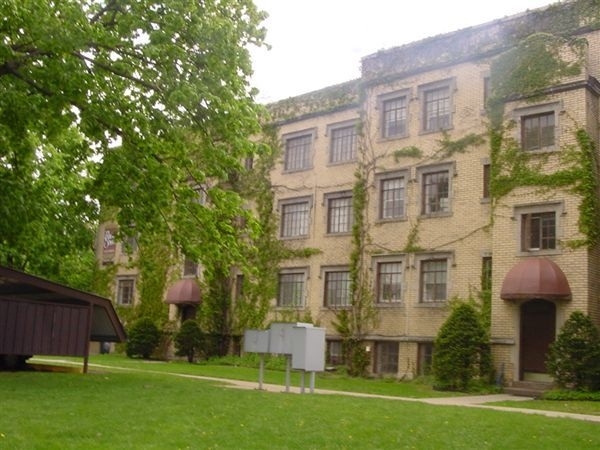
[295, 217]
[394, 114]
[343, 142]
[291, 291]
[436, 105]
[433, 274]
[337, 287]
[539, 227]
[386, 357]
[339, 212]
[125, 291]
[389, 275]
[297, 153]
[537, 127]
[435, 189]
[392, 195]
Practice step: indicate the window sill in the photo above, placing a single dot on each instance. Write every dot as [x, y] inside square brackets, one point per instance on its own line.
[435, 215]
[289, 308]
[383, 139]
[436, 304]
[344, 234]
[291, 171]
[342, 163]
[391, 220]
[439, 130]
[293, 238]
[548, 252]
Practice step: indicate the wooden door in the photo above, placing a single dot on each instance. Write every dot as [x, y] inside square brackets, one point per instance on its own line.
[538, 327]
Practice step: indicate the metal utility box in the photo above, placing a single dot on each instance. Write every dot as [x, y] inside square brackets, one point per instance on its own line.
[256, 341]
[308, 348]
[280, 338]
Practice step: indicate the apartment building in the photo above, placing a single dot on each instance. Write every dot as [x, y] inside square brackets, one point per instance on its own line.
[417, 119]
[448, 215]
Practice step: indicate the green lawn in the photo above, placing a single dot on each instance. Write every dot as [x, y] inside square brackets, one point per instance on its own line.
[117, 409]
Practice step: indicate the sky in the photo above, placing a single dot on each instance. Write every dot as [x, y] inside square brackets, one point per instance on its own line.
[320, 43]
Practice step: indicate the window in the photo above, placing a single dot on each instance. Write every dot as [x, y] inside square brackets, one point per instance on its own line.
[335, 355]
[436, 106]
[125, 291]
[538, 231]
[190, 268]
[537, 131]
[386, 357]
[337, 288]
[389, 282]
[395, 117]
[291, 289]
[425, 358]
[344, 142]
[298, 152]
[435, 192]
[487, 172]
[392, 198]
[339, 212]
[295, 215]
[433, 280]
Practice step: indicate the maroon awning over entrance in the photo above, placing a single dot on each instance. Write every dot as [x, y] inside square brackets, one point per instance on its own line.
[535, 278]
[184, 292]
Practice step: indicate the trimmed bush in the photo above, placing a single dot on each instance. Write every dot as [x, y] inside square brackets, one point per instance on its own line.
[189, 340]
[142, 338]
[574, 358]
[461, 350]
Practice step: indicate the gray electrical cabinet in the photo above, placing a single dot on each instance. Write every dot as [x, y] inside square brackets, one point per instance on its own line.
[256, 341]
[308, 348]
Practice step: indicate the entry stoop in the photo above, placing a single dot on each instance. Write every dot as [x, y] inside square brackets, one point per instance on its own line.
[533, 389]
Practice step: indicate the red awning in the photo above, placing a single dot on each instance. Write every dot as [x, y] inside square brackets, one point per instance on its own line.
[535, 278]
[184, 292]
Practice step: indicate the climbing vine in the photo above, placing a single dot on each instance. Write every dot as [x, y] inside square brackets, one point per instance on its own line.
[527, 72]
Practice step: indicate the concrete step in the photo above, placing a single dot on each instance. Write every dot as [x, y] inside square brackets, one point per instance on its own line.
[533, 389]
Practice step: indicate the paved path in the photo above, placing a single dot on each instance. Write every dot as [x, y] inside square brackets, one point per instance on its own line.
[470, 401]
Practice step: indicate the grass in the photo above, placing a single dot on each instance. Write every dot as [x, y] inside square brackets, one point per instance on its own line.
[142, 410]
[332, 381]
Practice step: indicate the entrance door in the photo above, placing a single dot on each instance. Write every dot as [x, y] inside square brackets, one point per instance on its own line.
[538, 325]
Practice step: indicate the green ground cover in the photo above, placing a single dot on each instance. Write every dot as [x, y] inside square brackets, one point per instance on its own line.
[117, 409]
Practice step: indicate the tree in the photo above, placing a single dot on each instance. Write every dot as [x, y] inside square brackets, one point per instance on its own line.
[574, 358]
[134, 105]
[189, 340]
[461, 349]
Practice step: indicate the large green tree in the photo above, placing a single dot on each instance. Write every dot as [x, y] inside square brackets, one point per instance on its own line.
[134, 105]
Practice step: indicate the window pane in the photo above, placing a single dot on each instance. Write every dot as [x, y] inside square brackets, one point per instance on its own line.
[392, 198]
[537, 131]
[433, 280]
[125, 292]
[394, 117]
[343, 144]
[291, 289]
[337, 289]
[294, 219]
[437, 109]
[435, 192]
[538, 231]
[390, 282]
[339, 218]
[386, 357]
[297, 153]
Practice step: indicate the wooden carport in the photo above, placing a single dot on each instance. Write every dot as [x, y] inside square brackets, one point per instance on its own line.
[40, 317]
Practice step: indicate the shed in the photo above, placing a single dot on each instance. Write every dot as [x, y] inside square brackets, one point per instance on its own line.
[40, 317]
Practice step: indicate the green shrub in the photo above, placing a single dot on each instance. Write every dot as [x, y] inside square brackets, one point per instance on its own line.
[574, 358]
[461, 350]
[189, 340]
[143, 338]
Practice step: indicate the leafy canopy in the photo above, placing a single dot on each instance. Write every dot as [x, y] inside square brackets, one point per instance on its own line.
[129, 104]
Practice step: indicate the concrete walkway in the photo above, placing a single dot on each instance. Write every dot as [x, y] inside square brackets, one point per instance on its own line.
[469, 401]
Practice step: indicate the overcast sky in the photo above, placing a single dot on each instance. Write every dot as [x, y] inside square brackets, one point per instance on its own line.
[319, 43]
